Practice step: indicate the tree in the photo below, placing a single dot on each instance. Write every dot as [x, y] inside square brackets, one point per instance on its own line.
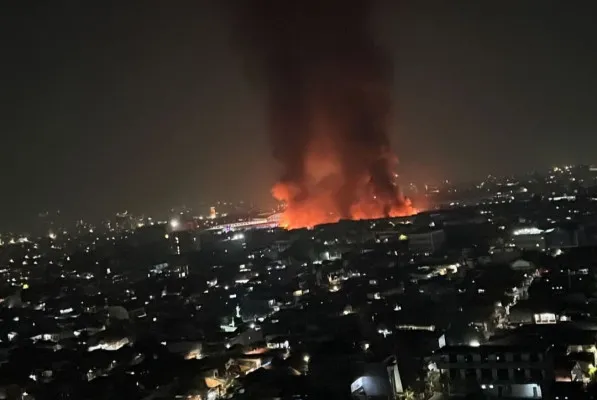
[433, 382]
[408, 394]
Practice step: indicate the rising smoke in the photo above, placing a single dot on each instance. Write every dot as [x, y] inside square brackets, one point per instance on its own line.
[328, 91]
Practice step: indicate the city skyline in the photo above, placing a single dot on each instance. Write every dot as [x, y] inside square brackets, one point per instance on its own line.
[126, 107]
[429, 197]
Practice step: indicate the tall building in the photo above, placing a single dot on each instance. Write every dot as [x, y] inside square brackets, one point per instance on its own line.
[148, 235]
[182, 242]
[123, 221]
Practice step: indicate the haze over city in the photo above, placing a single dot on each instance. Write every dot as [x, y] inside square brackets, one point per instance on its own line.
[140, 107]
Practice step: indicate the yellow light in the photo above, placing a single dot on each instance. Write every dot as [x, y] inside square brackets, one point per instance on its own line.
[25, 286]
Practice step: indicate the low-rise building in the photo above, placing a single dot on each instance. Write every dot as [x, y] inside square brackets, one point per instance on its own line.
[495, 370]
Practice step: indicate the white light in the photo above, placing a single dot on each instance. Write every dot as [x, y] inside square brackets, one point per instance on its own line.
[474, 343]
[527, 231]
[174, 223]
[384, 332]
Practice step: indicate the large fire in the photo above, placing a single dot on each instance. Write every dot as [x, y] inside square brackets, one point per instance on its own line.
[315, 201]
[319, 209]
[329, 99]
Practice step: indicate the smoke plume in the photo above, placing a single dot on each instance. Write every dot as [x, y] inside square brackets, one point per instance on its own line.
[328, 92]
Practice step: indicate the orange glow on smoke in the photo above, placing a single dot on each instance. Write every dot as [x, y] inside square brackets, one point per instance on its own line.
[324, 178]
[329, 101]
[316, 210]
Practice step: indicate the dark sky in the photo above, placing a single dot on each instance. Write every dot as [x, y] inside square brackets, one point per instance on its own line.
[139, 106]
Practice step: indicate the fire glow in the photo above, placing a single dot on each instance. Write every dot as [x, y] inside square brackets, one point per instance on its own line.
[322, 206]
[328, 87]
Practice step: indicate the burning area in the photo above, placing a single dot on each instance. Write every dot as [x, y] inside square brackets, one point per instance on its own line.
[328, 90]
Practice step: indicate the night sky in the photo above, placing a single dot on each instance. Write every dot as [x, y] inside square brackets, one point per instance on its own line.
[107, 107]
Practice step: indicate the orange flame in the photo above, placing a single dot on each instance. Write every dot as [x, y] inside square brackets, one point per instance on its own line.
[315, 203]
